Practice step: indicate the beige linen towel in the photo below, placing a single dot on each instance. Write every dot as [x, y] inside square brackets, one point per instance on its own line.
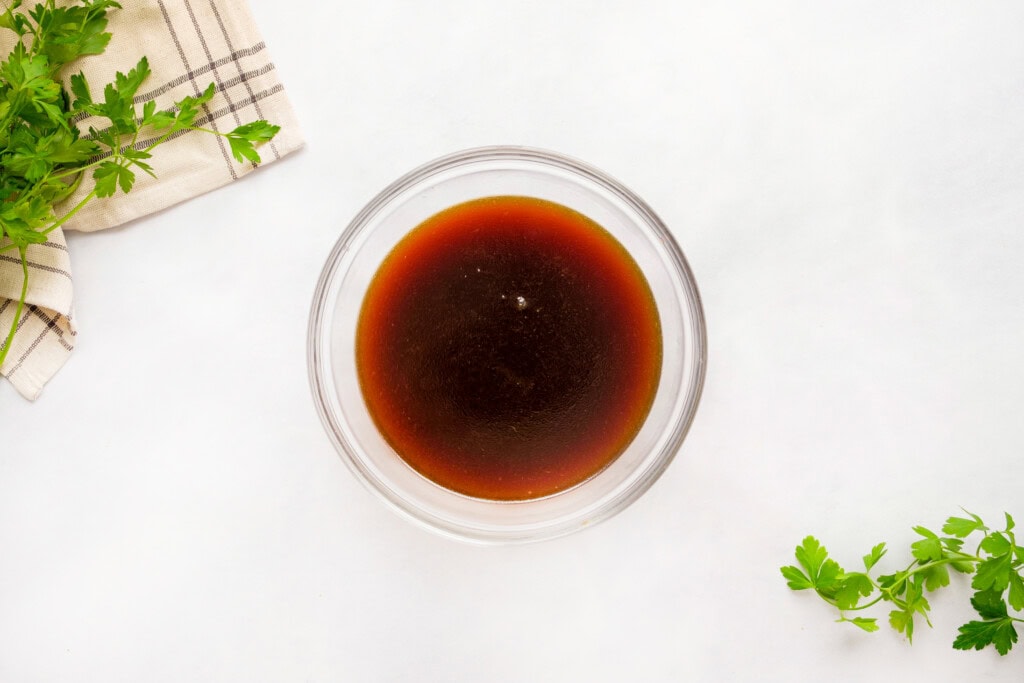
[189, 44]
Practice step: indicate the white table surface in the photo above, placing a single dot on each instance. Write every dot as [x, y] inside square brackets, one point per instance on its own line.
[847, 181]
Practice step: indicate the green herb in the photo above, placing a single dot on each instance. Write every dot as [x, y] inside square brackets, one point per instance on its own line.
[43, 156]
[996, 564]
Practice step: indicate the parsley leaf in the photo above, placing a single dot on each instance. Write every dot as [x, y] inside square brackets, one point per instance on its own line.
[851, 588]
[993, 573]
[1015, 598]
[929, 548]
[962, 527]
[996, 544]
[868, 624]
[872, 558]
[999, 633]
[903, 621]
[818, 572]
[109, 175]
[796, 579]
[244, 138]
[997, 628]
[935, 577]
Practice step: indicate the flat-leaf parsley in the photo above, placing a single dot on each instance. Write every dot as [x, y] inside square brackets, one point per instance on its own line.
[44, 157]
[996, 563]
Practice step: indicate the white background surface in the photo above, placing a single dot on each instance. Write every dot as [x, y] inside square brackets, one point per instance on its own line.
[847, 181]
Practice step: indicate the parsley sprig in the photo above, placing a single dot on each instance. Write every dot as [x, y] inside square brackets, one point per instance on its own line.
[44, 158]
[996, 563]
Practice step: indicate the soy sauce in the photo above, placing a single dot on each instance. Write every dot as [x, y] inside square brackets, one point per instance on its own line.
[508, 348]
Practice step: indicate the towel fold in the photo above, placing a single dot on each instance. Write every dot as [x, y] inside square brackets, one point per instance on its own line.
[189, 44]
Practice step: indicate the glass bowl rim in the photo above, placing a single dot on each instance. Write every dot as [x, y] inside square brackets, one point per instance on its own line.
[319, 314]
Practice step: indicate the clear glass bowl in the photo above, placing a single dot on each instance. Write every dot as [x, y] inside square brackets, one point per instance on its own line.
[359, 252]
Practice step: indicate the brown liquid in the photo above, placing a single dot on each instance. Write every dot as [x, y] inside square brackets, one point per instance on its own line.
[508, 348]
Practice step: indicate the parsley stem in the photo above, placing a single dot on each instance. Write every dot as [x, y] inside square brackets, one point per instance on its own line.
[911, 570]
[963, 557]
[208, 130]
[17, 311]
[78, 207]
[865, 605]
[162, 139]
[77, 169]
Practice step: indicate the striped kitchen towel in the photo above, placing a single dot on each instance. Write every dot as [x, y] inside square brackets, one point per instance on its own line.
[189, 44]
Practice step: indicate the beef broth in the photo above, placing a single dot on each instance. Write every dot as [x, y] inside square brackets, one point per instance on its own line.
[508, 348]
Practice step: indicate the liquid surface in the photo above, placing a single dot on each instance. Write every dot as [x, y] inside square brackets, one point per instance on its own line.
[508, 348]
